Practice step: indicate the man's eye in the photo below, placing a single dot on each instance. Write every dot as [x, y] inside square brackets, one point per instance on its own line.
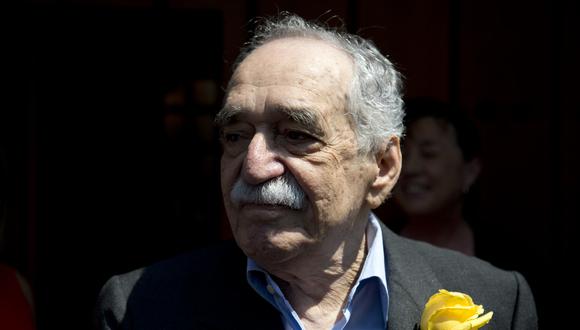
[232, 137]
[297, 136]
[234, 141]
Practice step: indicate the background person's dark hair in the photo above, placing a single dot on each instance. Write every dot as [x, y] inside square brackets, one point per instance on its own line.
[466, 132]
[466, 135]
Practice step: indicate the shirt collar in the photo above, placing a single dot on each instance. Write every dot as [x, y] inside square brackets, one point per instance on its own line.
[374, 267]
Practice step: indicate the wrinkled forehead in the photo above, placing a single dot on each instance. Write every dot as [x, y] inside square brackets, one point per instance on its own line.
[290, 74]
[302, 62]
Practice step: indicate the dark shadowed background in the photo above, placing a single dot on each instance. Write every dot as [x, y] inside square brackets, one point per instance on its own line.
[111, 162]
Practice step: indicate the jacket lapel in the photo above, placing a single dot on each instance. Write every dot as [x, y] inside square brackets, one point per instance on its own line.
[251, 311]
[410, 281]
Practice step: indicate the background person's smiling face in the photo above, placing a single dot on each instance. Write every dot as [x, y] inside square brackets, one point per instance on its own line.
[286, 106]
[434, 175]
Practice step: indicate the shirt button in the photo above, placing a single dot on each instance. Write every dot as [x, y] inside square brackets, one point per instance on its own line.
[270, 289]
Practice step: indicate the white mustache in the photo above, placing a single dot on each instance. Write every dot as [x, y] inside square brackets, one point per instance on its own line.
[283, 190]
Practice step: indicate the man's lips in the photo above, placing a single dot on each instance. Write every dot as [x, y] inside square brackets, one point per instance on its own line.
[264, 211]
[272, 207]
[264, 206]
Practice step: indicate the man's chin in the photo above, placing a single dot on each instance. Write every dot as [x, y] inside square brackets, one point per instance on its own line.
[274, 246]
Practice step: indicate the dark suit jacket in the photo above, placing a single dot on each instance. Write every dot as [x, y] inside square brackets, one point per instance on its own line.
[207, 289]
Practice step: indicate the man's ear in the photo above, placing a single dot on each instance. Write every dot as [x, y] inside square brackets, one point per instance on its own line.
[388, 162]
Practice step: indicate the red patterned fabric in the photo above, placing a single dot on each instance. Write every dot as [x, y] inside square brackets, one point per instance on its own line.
[15, 311]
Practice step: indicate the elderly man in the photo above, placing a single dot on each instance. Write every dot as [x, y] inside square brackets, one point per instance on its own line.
[310, 131]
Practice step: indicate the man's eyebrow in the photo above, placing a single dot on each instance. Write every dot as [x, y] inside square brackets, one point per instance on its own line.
[226, 115]
[304, 117]
[300, 115]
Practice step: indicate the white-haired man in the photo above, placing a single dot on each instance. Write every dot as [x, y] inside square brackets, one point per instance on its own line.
[310, 131]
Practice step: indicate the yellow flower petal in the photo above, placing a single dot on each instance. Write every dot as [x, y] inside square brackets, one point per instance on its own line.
[481, 321]
[459, 314]
[448, 310]
[450, 326]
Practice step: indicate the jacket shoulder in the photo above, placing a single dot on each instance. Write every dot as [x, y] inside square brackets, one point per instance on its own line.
[172, 290]
[504, 292]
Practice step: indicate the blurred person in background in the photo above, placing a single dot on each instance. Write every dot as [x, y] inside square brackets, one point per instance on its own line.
[441, 163]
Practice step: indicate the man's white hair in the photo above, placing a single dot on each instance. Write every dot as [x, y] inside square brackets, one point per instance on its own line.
[374, 103]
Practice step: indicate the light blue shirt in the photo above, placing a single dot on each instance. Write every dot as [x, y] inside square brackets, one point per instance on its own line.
[367, 303]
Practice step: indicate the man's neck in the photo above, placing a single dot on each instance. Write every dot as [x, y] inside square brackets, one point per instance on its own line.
[317, 286]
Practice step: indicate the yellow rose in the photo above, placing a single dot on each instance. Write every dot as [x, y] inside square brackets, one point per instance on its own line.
[453, 311]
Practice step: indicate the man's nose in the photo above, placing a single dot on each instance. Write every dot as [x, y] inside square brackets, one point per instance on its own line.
[261, 163]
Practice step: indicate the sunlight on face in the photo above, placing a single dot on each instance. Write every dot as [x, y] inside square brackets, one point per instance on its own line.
[284, 112]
